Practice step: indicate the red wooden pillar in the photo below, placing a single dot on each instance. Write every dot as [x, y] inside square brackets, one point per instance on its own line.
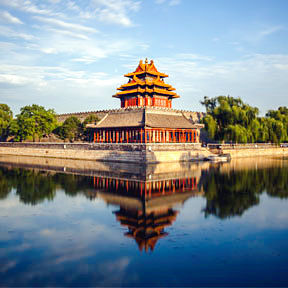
[94, 139]
[127, 136]
[185, 136]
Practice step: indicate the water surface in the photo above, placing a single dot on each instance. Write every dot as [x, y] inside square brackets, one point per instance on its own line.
[81, 223]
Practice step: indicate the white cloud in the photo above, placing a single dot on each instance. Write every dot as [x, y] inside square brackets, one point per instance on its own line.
[10, 33]
[27, 6]
[191, 56]
[115, 11]
[174, 2]
[170, 3]
[270, 30]
[255, 78]
[67, 33]
[67, 25]
[7, 17]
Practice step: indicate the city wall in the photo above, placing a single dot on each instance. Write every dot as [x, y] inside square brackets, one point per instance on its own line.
[133, 153]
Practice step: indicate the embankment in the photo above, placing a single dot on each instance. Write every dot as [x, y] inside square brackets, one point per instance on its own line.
[137, 153]
[258, 152]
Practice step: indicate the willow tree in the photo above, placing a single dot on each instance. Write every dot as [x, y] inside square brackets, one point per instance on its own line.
[6, 117]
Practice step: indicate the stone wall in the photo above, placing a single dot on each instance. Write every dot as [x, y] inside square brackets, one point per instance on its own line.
[81, 115]
[138, 153]
[259, 152]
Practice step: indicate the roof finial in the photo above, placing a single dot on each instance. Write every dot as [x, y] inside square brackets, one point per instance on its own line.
[146, 61]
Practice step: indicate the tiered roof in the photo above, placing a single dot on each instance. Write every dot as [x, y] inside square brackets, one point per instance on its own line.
[146, 79]
[145, 118]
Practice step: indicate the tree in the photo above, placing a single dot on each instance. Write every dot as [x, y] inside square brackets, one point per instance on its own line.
[210, 125]
[71, 129]
[92, 118]
[33, 123]
[231, 119]
[278, 121]
[6, 117]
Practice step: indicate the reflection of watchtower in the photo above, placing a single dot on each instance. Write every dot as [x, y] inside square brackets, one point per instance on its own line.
[146, 207]
[146, 228]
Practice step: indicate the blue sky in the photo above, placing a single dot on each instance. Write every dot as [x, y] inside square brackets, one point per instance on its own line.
[71, 55]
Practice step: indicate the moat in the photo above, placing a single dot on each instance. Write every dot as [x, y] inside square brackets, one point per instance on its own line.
[85, 223]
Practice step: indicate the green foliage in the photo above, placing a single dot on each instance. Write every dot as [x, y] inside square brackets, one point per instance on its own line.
[71, 129]
[6, 116]
[231, 193]
[33, 187]
[33, 123]
[92, 118]
[230, 119]
[211, 125]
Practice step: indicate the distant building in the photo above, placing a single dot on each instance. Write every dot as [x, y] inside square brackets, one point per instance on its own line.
[146, 114]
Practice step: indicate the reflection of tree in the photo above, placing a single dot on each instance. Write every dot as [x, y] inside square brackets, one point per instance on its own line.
[277, 182]
[34, 186]
[31, 187]
[5, 186]
[231, 193]
[72, 184]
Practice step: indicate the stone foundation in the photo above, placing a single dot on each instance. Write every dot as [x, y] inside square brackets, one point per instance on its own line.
[137, 153]
[259, 152]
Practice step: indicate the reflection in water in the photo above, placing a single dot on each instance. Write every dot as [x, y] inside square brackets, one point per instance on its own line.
[228, 192]
[80, 218]
[231, 193]
[146, 208]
